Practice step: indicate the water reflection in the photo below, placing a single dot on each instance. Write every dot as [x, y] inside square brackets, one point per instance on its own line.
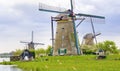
[9, 68]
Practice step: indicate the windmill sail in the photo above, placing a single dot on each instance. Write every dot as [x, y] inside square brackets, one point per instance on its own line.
[31, 44]
[39, 44]
[24, 42]
[88, 15]
[47, 8]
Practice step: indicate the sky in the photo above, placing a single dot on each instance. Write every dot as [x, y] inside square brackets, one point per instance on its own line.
[19, 17]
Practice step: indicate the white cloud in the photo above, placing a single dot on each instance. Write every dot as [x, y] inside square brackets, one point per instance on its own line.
[98, 6]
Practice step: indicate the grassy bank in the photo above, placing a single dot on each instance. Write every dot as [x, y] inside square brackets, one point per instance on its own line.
[71, 63]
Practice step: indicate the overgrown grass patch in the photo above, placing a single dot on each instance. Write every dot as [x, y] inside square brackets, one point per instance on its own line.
[71, 63]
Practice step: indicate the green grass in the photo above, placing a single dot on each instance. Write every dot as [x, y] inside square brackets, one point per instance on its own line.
[71, 63]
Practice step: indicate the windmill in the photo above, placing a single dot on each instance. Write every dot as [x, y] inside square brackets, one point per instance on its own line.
[67, 19]
[31, 44]
[88, 38]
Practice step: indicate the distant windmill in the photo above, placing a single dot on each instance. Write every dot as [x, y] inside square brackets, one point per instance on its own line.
[31, 44]
[88, 39]
[66, 41]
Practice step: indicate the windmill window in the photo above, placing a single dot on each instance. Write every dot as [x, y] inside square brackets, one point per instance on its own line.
[63, 28]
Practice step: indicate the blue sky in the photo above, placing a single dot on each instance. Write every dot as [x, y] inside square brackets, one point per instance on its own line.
[19, 17]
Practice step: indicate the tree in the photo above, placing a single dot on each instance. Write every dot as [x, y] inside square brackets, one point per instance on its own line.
[108, 47]
[48, 50]
[17, 52]
[88, 49]
[39, 51]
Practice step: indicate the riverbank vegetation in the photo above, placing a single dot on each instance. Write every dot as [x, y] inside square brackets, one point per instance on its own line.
[86, 62]
[38, 52]
[109, 47]
[70, 63]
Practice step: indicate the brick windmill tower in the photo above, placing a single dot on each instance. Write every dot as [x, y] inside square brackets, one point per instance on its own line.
[66, 39]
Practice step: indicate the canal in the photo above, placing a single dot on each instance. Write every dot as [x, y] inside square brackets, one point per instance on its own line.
[8, 67]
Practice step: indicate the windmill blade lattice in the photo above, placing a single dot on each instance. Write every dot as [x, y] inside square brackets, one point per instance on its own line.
[47, 8]
[24, 42]
[39, 44]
